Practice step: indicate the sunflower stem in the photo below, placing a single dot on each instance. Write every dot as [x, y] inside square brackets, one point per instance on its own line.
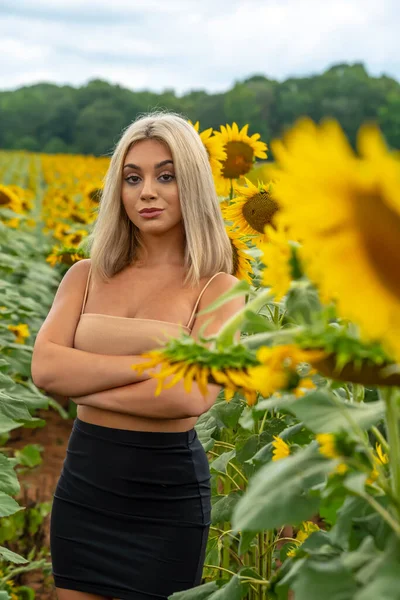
[358, 392]
[380, 438]
[260, 562]
[391, 397]
[261, 339]
[226, 334]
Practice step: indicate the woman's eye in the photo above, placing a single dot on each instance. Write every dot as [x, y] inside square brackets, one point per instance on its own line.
[134, 177]
[167, 177]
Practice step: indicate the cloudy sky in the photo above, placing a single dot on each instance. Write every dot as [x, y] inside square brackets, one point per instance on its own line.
[192, 44]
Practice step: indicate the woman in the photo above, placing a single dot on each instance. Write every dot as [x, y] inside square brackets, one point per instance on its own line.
[131, 510]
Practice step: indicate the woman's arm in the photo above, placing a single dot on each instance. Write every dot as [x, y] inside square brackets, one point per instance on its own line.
[139, 399]
[58, 367]
[86, 373]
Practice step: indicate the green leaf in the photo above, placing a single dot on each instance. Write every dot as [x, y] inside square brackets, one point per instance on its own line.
[222, 510]
[26, 593]
[220, 463]
[227, 414]
[4, 365]
[257, 323]
[6, 381]
[12, 556]
[246, 447]
[201, 592]
[240, 289]
[4, 595]
[246, 537]
[15, 410]
[231, 591]
[9, 483]
[362, 556]
[30, 455]
[279, 494]
[385, 581]
[322, 413]
[340, 532]
[302, 304]
[205, 427]
[330, 579]
[8, 506]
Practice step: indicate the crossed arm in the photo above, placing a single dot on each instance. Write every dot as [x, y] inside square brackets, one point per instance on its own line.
[138, 398]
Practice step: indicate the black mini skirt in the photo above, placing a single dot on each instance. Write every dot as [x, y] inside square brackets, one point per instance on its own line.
[131, 513]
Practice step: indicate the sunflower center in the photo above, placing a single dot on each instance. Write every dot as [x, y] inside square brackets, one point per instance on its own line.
[239, 160]
[4, 199]
[235, 258]
[95, 194]
[379, 227]
[259, 210]
[76, 239]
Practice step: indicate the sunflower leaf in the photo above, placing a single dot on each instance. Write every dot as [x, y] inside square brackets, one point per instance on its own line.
[240, 289]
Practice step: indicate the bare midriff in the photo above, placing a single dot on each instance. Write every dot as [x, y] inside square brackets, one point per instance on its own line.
[109, 418]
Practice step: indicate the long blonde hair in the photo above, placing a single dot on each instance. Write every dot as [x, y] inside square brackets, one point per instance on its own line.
[114, 239]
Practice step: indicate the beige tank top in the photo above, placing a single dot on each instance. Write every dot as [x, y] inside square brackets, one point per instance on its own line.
[108, 334]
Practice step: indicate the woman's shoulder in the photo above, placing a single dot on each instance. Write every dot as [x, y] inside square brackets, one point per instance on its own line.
[225, 279]
[219, 283]
[81, 267]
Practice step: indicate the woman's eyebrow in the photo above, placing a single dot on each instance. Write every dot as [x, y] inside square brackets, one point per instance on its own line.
[156, 166]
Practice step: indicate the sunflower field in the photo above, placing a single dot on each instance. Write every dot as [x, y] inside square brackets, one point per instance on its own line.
[303, 441]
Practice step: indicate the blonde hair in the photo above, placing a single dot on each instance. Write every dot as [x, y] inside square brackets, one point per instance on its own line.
[114, 240]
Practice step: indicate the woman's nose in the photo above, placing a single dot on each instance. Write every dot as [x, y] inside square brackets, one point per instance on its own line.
[148, 189]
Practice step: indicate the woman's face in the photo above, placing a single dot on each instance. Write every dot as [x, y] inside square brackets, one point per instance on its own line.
[149, 190]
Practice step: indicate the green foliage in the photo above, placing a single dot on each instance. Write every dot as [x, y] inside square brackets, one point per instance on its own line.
[89, 119]
[25, 283]
[282, 492]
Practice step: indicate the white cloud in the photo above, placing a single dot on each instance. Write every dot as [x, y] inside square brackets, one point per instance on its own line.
[192, 44]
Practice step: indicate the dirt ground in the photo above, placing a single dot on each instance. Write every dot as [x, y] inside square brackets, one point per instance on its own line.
[38, 484]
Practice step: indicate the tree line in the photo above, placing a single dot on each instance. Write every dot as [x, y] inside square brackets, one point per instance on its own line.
[89, 119]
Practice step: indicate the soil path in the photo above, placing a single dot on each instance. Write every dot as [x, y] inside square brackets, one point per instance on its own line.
[38, 484]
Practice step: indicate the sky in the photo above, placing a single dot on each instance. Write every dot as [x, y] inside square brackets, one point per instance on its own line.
[192, 44]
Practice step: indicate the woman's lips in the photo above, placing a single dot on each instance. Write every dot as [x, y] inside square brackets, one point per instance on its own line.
[149, 214]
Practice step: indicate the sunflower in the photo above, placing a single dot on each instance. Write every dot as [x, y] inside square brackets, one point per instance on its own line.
[241, 259]
[276, 256]
[65, 255]
[21, 332]
[305, 530]
[9, 199]
[280, 448]
[241, 150]
[75, 238]
[327, 445]
[13, 223]
[214, 147]
[276, 371]
[235, 380]
[179, 370]
[380, 459]
[278, 368]
[348, 221]
[60, 230]
[25, 196]
[252, 209]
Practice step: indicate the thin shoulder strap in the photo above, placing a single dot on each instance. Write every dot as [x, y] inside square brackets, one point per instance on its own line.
[86, 289]
[189, 325]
